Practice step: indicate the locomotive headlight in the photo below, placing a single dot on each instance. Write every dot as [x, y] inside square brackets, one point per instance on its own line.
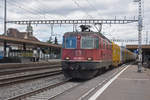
[78, 36]
[89, 58]
[67, 58]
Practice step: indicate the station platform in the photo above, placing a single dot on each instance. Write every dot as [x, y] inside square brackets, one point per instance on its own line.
[129, 85]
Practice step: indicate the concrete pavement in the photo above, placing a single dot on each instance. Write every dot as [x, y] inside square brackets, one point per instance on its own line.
[130, 85]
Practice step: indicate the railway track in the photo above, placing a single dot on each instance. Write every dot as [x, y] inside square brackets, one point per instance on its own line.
[14, 80]
[16, 74]
[50, 85]
[18, 69]
[23, 96]
[17, 77]
[21, 65]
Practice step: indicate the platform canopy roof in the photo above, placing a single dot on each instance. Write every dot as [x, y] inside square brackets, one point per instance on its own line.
[145, 48]
[26, 41]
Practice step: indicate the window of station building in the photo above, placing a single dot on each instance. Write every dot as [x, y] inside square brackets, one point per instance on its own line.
[89, 42]
[70, 42]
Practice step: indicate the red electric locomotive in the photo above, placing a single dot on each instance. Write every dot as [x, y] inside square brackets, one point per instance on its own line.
[84, 54]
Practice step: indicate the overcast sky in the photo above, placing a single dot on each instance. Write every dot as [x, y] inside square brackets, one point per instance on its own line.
[76, 9]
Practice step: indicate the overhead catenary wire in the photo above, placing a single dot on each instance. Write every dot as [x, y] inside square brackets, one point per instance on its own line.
[45, 6]
[1, 4]
[93, 7]
[26, 10]
[111, 32]
[36, 10]
[51, 25]
[78, 5]
[44, 10]
[1, 7]
[76, 2]
[29, 10]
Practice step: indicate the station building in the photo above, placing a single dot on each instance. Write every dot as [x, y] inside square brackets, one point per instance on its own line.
[24, 44]
[14, 33]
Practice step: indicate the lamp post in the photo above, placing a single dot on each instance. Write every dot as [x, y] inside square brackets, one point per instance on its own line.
[5, 17]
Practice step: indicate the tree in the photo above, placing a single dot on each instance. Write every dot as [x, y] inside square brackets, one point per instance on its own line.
[50, 40]
[56, 41]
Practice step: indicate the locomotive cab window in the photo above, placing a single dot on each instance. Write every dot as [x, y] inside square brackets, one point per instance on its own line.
[70, 42]
[104, 44]
[89, 43]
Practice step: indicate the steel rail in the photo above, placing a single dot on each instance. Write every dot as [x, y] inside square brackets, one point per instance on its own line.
[38, 90]
[15, 70]
[16, 80]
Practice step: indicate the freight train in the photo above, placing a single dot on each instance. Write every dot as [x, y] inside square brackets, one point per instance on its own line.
[85, 54]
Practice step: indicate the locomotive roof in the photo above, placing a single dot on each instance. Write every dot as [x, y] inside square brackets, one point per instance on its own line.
[86, 33]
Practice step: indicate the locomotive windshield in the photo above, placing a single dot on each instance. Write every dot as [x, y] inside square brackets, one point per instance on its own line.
[89, 42]
[70, 42]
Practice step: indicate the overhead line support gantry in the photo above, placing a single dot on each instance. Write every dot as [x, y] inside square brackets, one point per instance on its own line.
[80, 21]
